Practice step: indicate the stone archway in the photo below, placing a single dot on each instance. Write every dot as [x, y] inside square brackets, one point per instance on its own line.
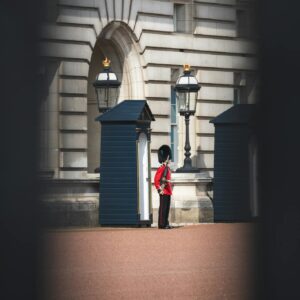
[118, 43]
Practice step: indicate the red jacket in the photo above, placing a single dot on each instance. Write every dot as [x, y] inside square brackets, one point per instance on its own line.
[157, 177]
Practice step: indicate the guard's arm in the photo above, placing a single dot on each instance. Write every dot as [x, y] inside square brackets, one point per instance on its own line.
[157, 178]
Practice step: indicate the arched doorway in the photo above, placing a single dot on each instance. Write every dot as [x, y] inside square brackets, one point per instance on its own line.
[117, 42]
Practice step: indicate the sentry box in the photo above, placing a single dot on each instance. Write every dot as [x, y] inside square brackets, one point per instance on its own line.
[235, 161]
[125, 169]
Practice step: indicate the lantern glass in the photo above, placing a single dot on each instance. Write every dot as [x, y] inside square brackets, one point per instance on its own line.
[106, 97]
[187, 101]
[181, 101]
[113, 96]
[192, 101]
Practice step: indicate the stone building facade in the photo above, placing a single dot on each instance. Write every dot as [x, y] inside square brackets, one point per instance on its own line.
[147, 41]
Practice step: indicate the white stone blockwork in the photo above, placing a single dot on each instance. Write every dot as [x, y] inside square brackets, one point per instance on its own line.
[126, 10]
[158, 140]
[216, 77]
[195, 43]
[60, 50]
[215, 28]
[73, 86]
[68, 33]
[216, 93]
[211, 109]
[154, 162]
[155, 7]
[215, 12]
[206, 143]
[161, 125]
[73, 104]
[199, 60]
[110, 10]
[157, 73]
[158, 90]
[205, 160]
[73, 160]
[159, 107]
[73, 140]
[74, 68]
[73, 174]
[157, 23]
[73, 122]
[203, 126]
[225, 2]
[80, 17]
[101, 5]
[118, 10]
[151, 7]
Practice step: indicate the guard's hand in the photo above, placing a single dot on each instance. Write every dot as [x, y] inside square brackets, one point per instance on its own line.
[160, 191]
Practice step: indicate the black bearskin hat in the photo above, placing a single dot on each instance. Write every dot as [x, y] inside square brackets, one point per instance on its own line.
[164, 153]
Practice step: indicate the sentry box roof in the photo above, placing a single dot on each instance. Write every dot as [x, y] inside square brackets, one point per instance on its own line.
[237, 114]
[128, 111]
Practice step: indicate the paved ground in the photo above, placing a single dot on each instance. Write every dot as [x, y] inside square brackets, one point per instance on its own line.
[205, 261]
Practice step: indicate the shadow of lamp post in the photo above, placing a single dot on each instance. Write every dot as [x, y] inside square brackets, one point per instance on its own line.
[186, 89]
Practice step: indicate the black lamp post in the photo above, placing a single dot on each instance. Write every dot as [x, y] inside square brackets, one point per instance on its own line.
[187, 88]
[107, 87]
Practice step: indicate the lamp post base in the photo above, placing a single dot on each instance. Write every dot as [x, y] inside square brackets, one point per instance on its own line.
[185, 169]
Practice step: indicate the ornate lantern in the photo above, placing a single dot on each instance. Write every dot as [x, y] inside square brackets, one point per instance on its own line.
[107, 87]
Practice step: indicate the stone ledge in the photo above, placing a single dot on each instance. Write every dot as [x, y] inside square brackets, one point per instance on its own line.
[200, 202]
[70, 212]
[68, 188]
[71, 180]
[188, 215]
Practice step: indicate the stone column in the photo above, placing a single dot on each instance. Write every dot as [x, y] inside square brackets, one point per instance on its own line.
[190, 201]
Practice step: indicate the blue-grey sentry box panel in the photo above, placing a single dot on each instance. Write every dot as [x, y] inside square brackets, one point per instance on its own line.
[232, 165]
[125, 170]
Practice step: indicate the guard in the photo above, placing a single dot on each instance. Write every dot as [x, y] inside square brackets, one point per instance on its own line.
[162, 183]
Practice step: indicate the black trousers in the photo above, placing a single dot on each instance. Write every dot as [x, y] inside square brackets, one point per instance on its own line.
[163, 212]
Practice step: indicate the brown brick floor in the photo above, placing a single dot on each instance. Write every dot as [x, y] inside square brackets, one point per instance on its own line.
[205, 261]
